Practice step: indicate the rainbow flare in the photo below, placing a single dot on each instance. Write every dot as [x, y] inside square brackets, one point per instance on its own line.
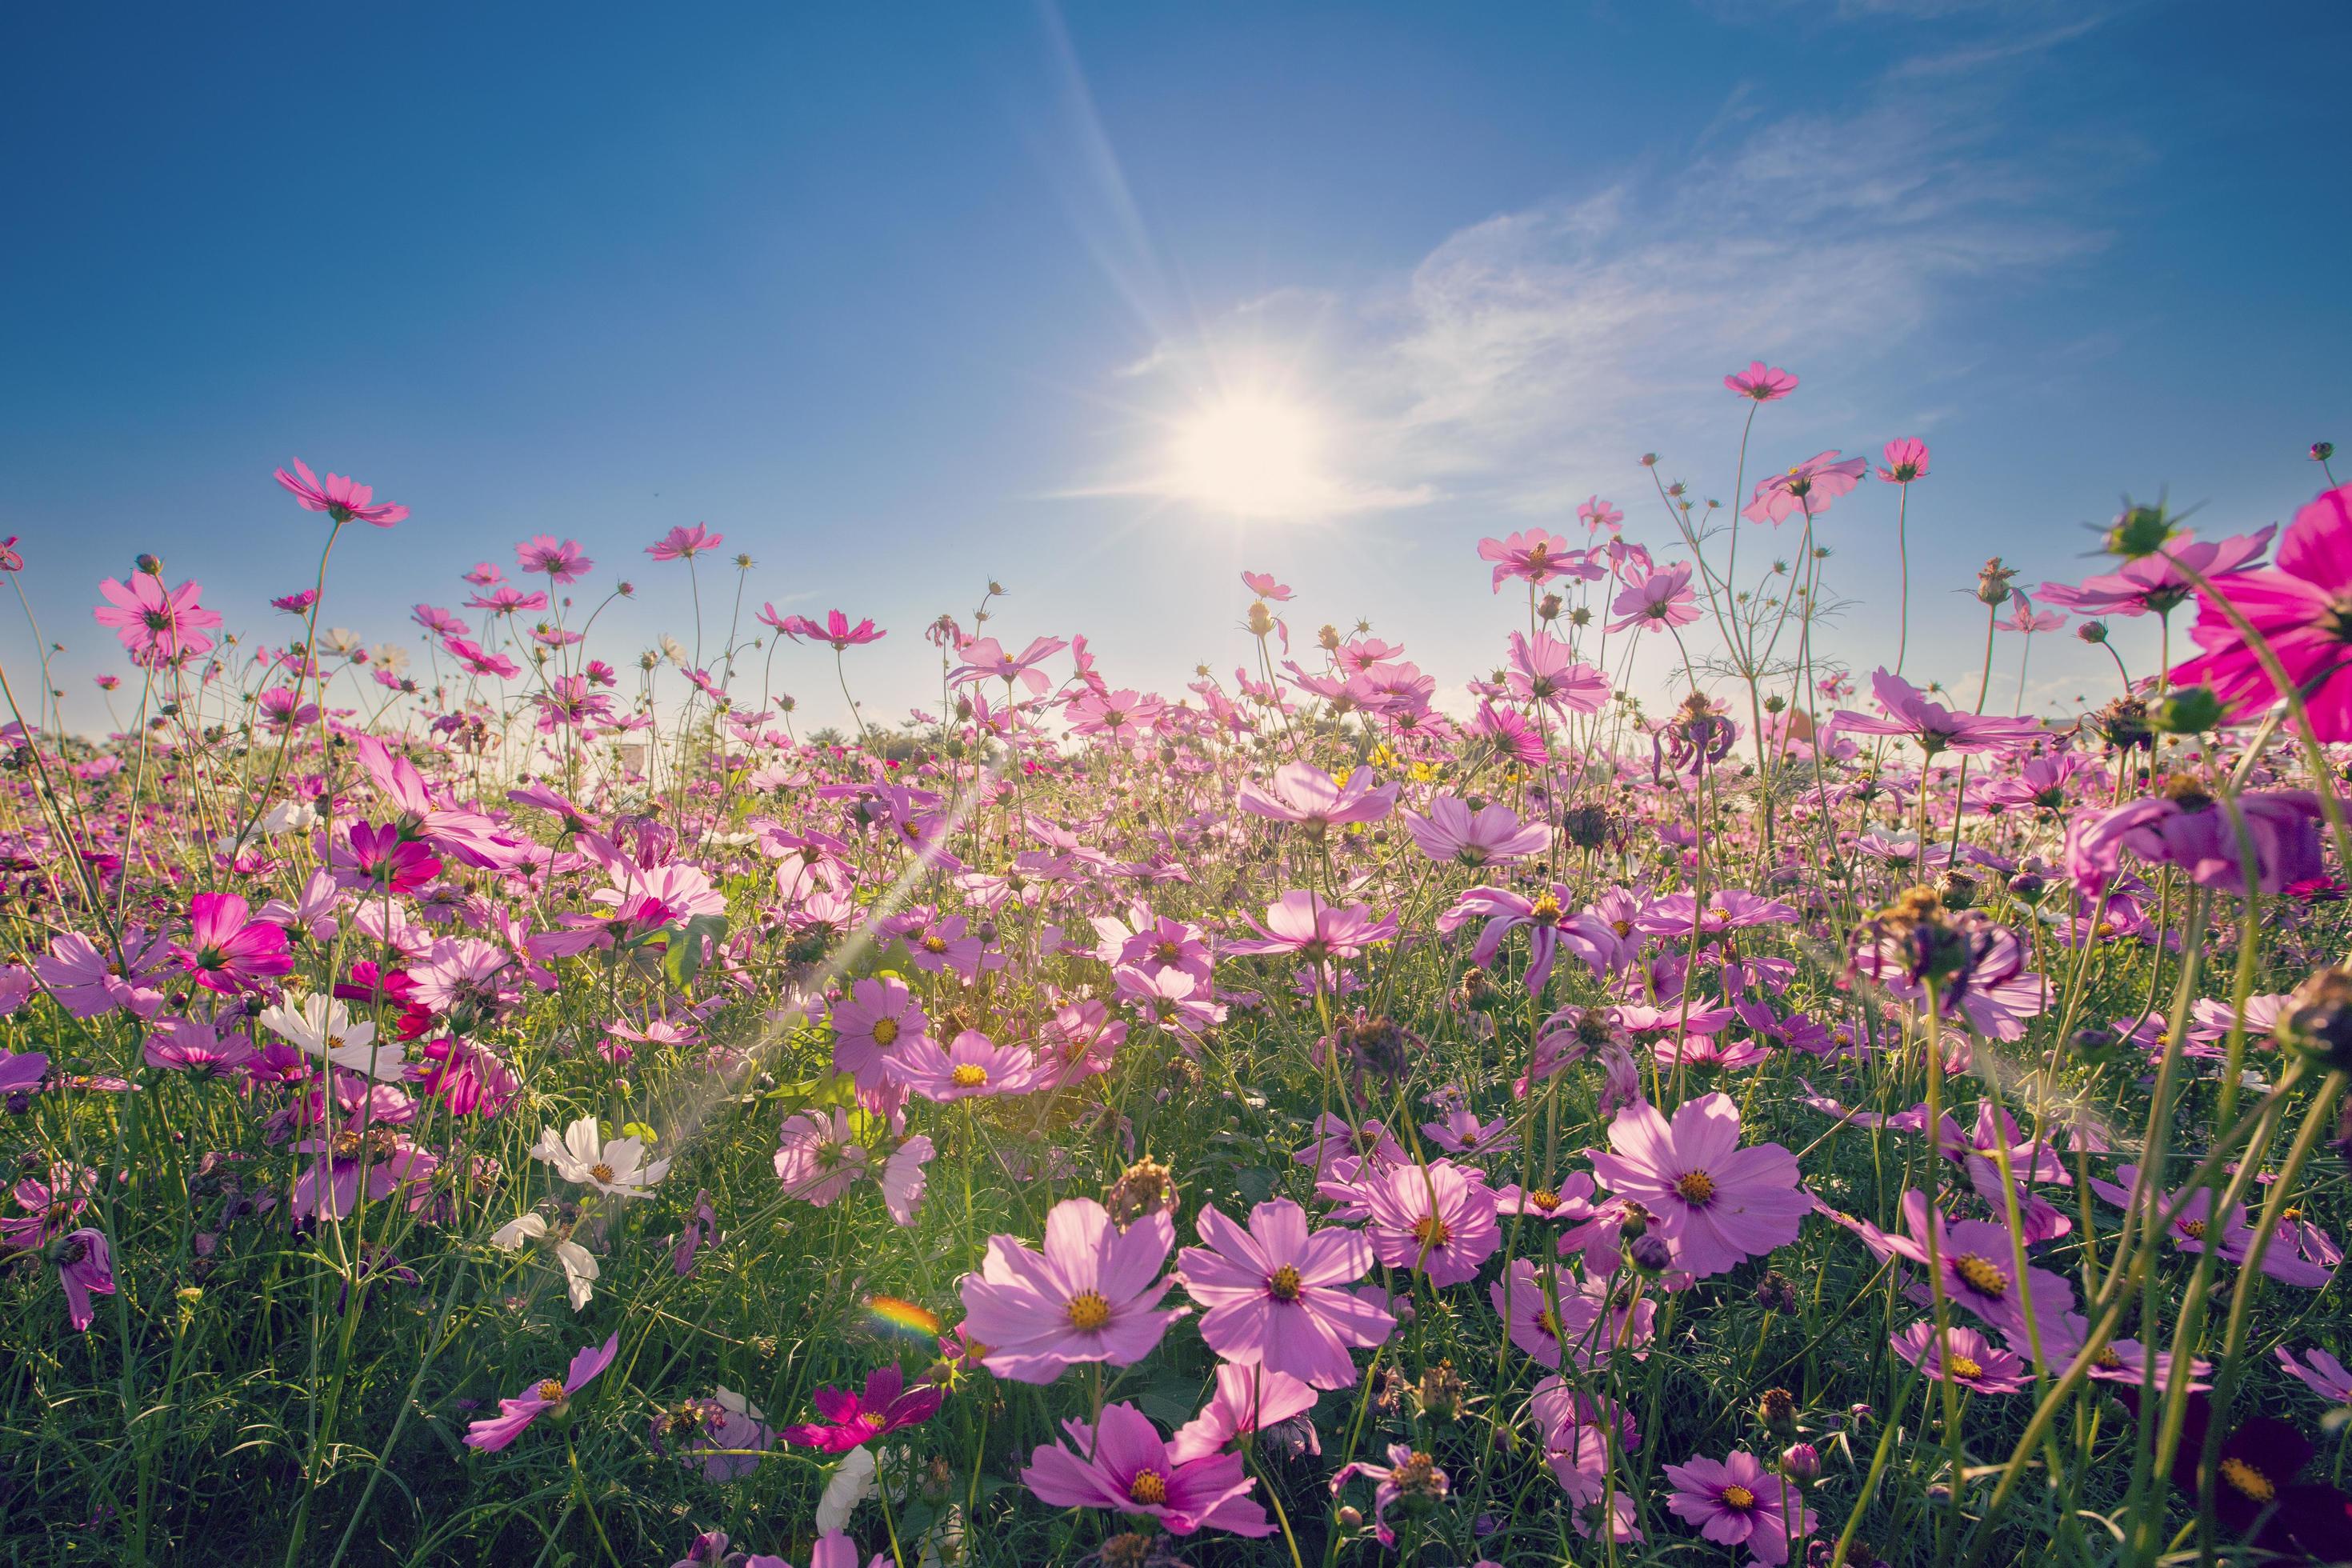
[891, 1315]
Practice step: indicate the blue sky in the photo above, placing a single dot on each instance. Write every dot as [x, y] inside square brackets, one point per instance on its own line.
[903, 297]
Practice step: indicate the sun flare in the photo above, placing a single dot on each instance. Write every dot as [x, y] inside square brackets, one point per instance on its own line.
[1252, 454]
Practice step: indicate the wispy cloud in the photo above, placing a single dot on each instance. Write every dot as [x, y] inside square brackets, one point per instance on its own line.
[1527, 352]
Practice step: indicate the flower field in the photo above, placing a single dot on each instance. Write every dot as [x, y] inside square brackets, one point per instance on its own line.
[493, 1096]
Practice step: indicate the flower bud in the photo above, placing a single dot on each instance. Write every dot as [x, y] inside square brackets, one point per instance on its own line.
[2093, 632]
[1776, 1408]
[2322, 450]
[1992, 583]
[151, 565]
[1802, 1463]
[2186, 710]
[2317, 1019]
[2137, 531]
[1651, 1254]
[1351, 1518]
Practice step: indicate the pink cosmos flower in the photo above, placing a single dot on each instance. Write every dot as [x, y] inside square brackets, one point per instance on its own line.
[1248, 1399]
[1437, 1219]
[985, 658]
[835, 628]
[683, 543]
[2187, 828]
[818, 1158]
[1304, 793]
[1659, 602]
[1262, 585]
[1761, 382]
[1738, 1502]
[85, 1269]
[2303, 608]
[515, 1416]
[1542, 670]
[1549, 926]
[342, 498]
[2023, 617]
[1301, 923]
[88, 981]
[848, 1420]
[1978, 1263]
[154, 623]
[903, 1179]
[971, 1065]
[565, 563]
[1810, 486]
[1124, 1464]
[1597, 514]
[1537, 555]
[1275, 1296]
[2156, 584]
[1934, 727]
[2320, 1372]
[1906, 460]
[225, 952]
[21, 1072]
[1715, 1200]
[1963, 1355]
[1490, 835]
[1090, 1296]
[190, 1045]
[1408, 1474]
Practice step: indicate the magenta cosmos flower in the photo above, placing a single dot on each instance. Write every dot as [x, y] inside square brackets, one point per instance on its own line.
[1301, 923]
[1810, 487]
[1761, 382]
[2156, 584]
[818, 1158]
[1716, 1202]
[152, 622]
[1437, 1219]
[1548, 923]
[344, 499]
[1935, 727]
[1738, 1502]
[871, 1025]
[846, 1420]
[2303, 608]
[1276, 1296]
[228, 953]
[84, 1269]
[1130, 1470]
[1252, 1399]
[1091, 1295]
[1303, 792]
[515, 1416]
[1906, 460]
[685, 544]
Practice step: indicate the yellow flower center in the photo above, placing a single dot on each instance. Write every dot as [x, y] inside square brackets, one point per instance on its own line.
[1738, 1496]
[1696, 1186]
[1432, 1231]
[600, 1172]
[1963, 1367]
[1545, 1199]
[1983, 1276]
[2248, 1480]
[1545, 910]
[935, 944]
[886, 1031]
[1089, 1311]
[1148, 1488]
[1284, 1284]
[971, 1075]
[549, 1391]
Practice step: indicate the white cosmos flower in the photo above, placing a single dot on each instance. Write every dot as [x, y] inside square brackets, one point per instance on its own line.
[324, 1027]
[617, 1169]
[579, 1263]
[290, 816]
[851, 1484]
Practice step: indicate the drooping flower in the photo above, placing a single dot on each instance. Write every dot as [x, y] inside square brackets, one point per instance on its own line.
[1091, 1295]
[515, 1416]
[1278, 1296]
[579, 1264]
[2188, 827]
[1248, 1399]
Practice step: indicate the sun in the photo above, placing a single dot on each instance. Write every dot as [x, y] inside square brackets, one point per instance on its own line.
[1251, 455]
